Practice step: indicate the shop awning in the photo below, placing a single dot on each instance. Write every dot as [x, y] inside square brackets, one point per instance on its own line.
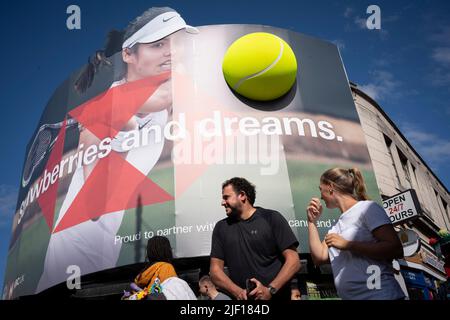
[423, 268]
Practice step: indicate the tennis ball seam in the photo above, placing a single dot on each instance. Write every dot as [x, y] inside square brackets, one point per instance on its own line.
[280, 55]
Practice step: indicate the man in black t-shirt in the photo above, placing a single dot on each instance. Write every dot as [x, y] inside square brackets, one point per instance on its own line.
[256, 244]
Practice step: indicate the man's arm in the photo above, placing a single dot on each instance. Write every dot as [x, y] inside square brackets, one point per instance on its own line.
[222, 281]
[290, 267]
[287, 243]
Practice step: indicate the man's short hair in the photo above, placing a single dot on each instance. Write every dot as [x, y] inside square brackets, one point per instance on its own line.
[242, 185]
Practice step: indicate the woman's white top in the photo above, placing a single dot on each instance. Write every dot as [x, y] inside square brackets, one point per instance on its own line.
[359, 277]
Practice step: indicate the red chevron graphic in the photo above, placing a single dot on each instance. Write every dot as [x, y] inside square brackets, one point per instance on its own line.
[114, 184]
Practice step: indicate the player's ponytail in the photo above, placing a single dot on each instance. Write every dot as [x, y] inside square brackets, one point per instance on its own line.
[114, 42]
[98, 59]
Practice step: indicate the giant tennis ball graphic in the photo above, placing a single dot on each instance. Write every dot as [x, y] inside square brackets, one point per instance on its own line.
[260, 66]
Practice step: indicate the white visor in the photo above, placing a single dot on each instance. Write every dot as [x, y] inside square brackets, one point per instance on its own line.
[159, 28]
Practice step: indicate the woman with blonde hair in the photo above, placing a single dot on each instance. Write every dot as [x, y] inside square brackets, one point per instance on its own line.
[362, 243]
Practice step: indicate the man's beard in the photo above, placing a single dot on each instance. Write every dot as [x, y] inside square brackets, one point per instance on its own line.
[234, 213]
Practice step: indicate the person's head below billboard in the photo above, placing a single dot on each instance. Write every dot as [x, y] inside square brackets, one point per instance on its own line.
[338, 184]
[159, 280]
[159, 250]
[238, 197]
[159, 267]
[145, 46]
[208, 289]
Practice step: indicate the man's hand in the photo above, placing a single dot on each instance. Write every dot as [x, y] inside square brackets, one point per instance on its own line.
[242, 295]
[221, 280]
[336, 241]
[261, 292]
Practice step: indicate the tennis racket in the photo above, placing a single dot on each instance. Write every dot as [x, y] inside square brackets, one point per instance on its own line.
[42, 144]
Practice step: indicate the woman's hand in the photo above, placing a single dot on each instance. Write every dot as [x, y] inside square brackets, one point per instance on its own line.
[336, 241]
[314, 210]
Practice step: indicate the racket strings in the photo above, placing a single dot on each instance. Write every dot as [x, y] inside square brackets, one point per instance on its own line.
[37, 152]
[44, 141]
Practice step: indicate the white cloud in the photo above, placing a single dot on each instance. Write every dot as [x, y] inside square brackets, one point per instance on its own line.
[348, 12]
[360, 22]
[385, 59]
[8, 199]
[442, 55]
[339, 43]
[443, 36]
[431, 147]
[383, 85]
[382, 62]
[371, 89]
[417, 136]
[440, 77]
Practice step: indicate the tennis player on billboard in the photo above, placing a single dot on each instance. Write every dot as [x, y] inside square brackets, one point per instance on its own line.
[145, 50]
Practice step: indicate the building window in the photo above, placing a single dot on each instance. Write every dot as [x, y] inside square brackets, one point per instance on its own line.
[404, 162]
[388, 142]
[414, 177]
[444, 204]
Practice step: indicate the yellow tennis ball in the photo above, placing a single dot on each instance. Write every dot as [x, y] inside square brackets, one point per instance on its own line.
[260, 66]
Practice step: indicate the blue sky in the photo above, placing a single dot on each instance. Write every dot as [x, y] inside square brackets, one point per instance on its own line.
[405, 66]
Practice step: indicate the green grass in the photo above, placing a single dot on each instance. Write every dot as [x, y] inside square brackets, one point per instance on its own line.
[27, 257]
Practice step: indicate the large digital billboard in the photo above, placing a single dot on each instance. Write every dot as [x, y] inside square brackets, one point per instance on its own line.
[143, 150]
